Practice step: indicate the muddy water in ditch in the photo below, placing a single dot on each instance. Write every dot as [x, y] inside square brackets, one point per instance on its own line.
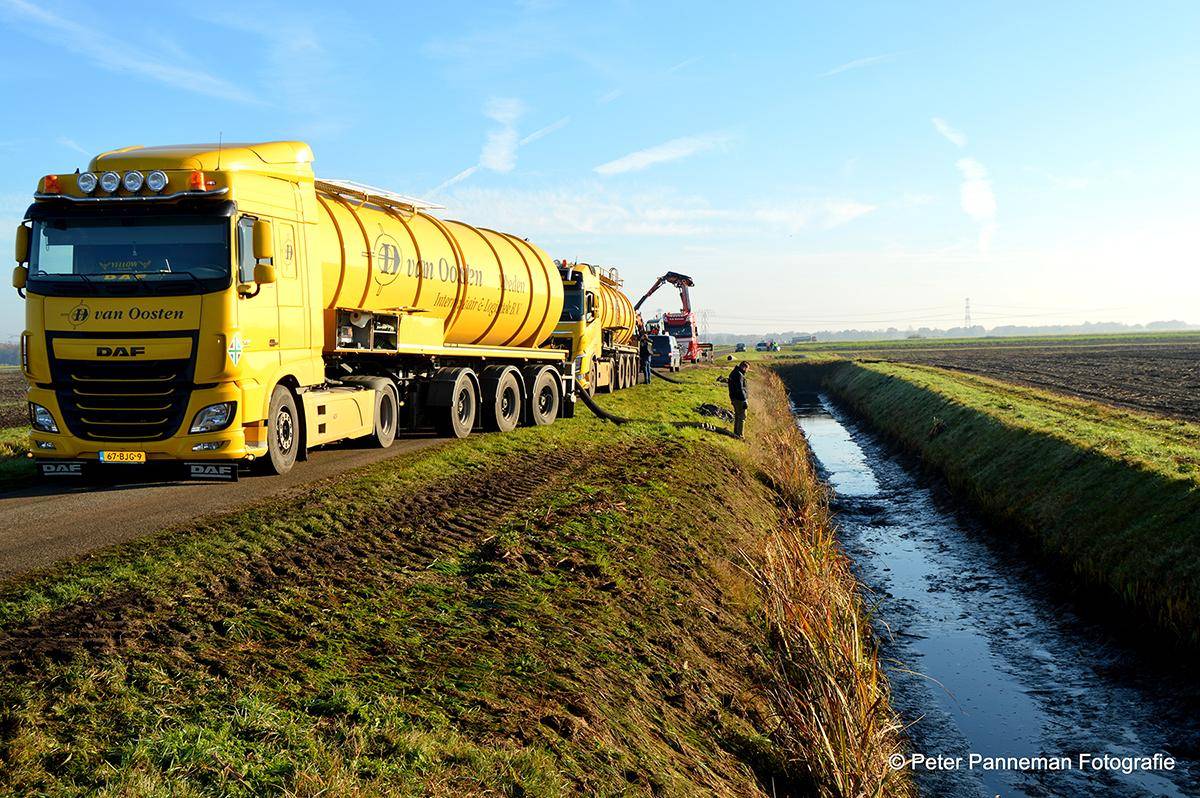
[986, 655]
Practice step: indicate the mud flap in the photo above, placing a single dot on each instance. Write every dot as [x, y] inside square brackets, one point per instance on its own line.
[212, 471]
[54, 469]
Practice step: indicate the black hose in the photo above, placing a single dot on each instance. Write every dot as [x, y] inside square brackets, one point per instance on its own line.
[665, 378]
[615, 419]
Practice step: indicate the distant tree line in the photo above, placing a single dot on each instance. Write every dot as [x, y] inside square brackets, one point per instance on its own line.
[10, 355]
[977, 331]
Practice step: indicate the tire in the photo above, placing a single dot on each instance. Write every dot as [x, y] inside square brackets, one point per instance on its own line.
[283, 432]
[457, 419]
[502, 402]
[595, 375]
[545, 397]
[387, 414]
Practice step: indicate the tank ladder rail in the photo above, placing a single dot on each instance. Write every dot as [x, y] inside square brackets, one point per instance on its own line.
[362, 194]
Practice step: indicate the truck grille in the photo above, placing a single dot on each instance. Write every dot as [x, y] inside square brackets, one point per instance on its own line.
[104, 401]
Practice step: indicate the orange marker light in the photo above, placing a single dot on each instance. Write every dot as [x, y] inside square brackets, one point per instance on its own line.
[50, 185]
[196, 181]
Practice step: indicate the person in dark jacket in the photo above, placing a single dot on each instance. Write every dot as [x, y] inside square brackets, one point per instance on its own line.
[738, 396]
[646, 352]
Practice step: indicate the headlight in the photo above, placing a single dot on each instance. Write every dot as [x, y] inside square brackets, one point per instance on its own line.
[133, 181]
[213, 417]
[157, 180]
[41, 419]
[87, 182]
[110, 181]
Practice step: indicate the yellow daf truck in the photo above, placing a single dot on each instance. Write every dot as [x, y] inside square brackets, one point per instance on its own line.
[215, 306]
[599, 323]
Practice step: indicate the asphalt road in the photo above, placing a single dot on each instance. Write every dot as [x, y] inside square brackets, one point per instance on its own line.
[43, 524]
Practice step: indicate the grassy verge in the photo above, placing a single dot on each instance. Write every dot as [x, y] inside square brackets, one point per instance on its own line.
[1111, 494]
[574, 609]
[15, 465]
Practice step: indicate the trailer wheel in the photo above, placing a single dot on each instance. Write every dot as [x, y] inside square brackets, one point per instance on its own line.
[544, 398]
[619, 369]
[502, 412]
[283, 432]
[457, 418]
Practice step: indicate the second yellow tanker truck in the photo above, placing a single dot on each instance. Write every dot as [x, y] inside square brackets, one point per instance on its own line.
[212, 306]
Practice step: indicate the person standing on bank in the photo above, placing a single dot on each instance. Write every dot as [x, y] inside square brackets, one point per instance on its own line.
[646, 352]
[738, 396]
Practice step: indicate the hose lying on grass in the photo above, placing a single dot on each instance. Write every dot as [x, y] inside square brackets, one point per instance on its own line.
[665, 378]
[607, 416]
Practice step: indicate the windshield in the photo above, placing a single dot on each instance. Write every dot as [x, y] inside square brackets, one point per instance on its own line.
[572, 304]
[160, 255]
[680, 330]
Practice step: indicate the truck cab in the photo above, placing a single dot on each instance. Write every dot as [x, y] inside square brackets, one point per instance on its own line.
[165, 299]
[596, 328]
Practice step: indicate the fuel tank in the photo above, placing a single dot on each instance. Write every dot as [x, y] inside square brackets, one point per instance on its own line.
[488, 288]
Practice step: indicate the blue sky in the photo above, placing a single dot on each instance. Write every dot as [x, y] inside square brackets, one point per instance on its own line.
[811, 165]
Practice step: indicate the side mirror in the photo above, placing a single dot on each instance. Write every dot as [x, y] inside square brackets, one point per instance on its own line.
[264, 243]
[22, 248]
[264, 273]
[20, 276]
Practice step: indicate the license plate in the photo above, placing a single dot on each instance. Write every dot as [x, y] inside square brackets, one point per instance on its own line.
[122, 457]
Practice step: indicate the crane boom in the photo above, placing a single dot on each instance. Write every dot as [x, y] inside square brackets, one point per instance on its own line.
[680, 281]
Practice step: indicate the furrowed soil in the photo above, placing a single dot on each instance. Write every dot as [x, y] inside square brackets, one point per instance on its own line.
[1158, 375]
[13, 410]
[574, 609]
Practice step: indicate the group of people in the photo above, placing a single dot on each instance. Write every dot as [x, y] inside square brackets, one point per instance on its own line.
[739, 397]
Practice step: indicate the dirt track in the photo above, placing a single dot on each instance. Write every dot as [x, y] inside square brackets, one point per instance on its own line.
[1160, 378]
[43, 524]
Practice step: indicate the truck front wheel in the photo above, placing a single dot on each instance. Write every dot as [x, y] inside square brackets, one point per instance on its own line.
[283, 432]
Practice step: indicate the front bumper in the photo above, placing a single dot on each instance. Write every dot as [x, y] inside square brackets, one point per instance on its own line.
[237, 442]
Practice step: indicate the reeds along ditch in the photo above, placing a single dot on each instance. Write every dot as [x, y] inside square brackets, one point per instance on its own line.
[1109, 497]
[829, 687]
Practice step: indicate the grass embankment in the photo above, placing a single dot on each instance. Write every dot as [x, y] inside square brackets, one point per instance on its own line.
[1113, 495]
[15, 465]
[575, 609]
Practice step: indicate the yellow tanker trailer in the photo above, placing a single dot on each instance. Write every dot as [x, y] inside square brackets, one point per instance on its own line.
[215, 305]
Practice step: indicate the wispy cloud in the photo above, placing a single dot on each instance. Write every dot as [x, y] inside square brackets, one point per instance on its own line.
[955, 137]
[97, 46]
[541, 133]
[978, 200]
[499, 152]
[71, 144]
[609, 96]
[672, 150]
[587, 210]
[453, 181]
[500, 149]
[859, 63]
[824, 214]
[684, 64]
